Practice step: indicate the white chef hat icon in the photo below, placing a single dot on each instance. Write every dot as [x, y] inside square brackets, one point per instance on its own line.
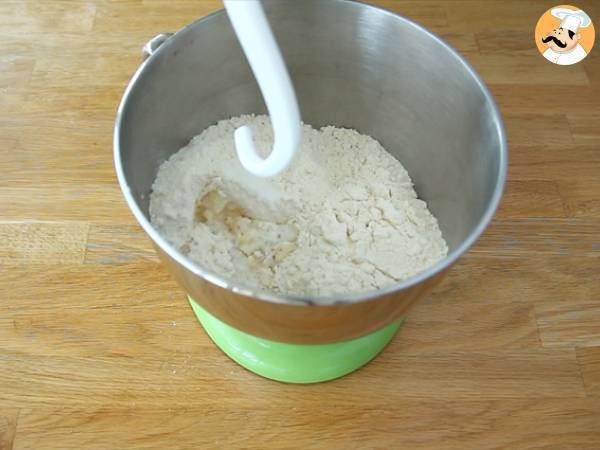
[571, 20]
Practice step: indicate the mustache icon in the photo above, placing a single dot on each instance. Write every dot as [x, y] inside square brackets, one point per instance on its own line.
[556, 41]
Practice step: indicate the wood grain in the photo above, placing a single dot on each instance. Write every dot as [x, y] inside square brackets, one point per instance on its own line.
[43, 242]
[572, 324]
[551, 237]
[585, 127]
[589, 360]
[99, 348]
[8, 427]
[531, 198]
[525, 69]
[581, 195]
[415, 424]
[117, 244]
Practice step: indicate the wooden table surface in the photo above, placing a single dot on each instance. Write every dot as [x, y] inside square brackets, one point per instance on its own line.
[99, 349]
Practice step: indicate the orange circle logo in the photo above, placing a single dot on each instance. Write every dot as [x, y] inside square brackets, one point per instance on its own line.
[564, 35]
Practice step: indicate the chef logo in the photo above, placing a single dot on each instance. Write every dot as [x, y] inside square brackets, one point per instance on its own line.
[564, 35]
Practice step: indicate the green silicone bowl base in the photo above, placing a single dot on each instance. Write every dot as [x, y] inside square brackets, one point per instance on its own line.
[294, 363]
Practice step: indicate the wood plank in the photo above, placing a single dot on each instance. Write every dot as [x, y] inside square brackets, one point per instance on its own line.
[8, 144]
[585, 127]
[118, 244]
[463, 42]
[155, 17]
[110, 68]
[147, 380]
[58, 59]
[592, 68]
[536, 98]
[570, 324]
[431, 14]
[458, 425]
[8, 427]
[519, 238]
[589, 361]
[82, 146]
[480, 16]
[42, 242]
[531, 129]
[87, 286]
[449, 323]
[533, 198]
[41, 17]
[554, 163]
[64, 106]
[10, 101]
[13, 45]
[506, 42]
[580, 196]
[532, 280]
[483, 279]
[526, 69]
[66, 201]
[149, 329]
[159, 326]
[15, 72]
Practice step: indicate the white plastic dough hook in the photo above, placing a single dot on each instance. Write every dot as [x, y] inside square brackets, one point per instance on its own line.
[257, 40]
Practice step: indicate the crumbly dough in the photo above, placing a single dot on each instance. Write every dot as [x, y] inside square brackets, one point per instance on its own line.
[343, 218]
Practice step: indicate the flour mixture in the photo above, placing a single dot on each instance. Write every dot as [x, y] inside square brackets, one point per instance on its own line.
[343, 218]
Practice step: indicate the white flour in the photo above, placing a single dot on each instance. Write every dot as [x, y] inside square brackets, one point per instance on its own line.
[343, 218]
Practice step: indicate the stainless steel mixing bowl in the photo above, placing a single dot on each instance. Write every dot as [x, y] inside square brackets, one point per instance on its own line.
[353, 65]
